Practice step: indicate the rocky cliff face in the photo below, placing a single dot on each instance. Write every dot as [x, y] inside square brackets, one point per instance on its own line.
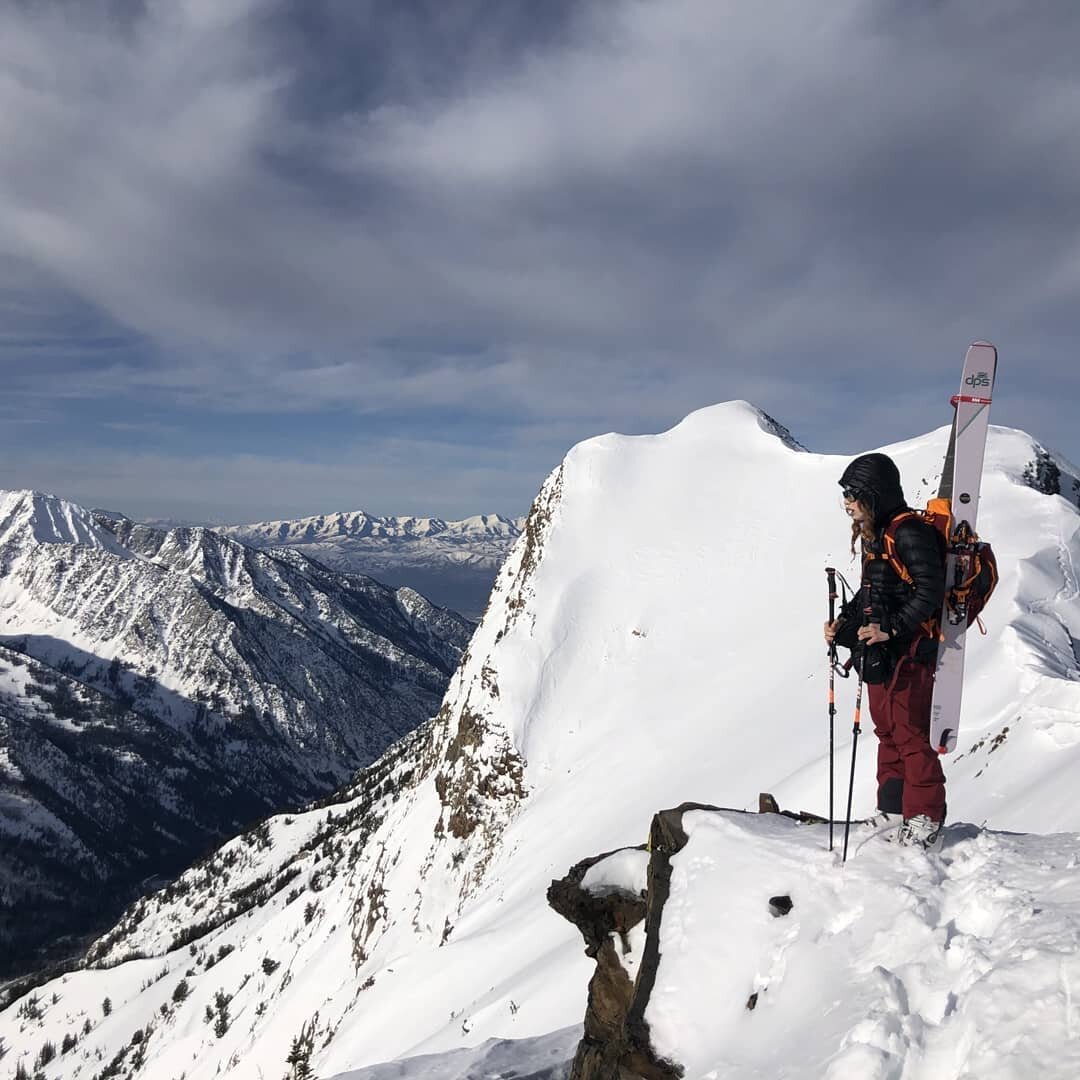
[159, 689]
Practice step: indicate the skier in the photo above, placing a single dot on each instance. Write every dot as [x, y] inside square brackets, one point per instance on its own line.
[900, 653]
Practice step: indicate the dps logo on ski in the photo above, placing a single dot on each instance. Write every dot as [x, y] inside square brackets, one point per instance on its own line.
[980, 378]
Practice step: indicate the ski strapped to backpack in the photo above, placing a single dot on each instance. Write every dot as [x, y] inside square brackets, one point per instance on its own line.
[975, 576]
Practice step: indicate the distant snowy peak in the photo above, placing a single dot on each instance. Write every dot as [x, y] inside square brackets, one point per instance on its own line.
[32, 517]
[452, 562]
[357, 524]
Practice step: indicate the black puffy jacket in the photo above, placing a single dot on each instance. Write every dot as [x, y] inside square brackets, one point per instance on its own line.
[899, 607]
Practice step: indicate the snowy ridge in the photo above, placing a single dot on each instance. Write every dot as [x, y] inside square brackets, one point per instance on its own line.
[616, 674]
[358, 523]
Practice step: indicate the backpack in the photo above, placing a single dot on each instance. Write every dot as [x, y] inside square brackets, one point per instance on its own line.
[976, 572]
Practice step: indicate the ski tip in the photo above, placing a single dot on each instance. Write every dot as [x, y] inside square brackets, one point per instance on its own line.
[983, 345]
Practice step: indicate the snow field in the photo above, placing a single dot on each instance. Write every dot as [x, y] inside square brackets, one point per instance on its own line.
[896, 966]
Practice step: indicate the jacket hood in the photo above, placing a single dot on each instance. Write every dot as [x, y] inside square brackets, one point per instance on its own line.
[877, 479]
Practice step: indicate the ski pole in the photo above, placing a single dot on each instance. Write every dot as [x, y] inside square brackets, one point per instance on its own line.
[831, 574]
[867, 612]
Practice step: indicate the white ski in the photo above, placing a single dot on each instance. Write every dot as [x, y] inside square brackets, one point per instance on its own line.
[960, 481]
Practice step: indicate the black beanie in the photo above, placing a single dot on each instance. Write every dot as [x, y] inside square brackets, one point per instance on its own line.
[877, 480]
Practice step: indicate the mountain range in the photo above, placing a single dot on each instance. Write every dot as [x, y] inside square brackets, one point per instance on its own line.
[161, 690]
[402, 927]
[452, 562]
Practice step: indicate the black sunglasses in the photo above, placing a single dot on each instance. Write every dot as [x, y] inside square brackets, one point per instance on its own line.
[851, 495]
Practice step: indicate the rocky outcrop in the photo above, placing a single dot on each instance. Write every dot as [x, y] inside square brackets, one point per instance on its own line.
[605, 919]
[619, 913]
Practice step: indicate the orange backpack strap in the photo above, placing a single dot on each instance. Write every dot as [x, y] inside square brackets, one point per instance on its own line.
[931, 627]
[890, 545]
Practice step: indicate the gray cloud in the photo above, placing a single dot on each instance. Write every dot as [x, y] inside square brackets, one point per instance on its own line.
[603, 216]
[391, 475]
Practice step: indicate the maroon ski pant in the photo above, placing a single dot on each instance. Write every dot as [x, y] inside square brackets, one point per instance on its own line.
[909, 774]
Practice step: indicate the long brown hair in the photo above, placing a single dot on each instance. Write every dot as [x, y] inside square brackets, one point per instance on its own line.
[864, 531]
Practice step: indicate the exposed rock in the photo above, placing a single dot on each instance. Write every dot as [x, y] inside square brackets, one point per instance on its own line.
[616, 1044]
[603, 920]
[780, 906]
[468, 757]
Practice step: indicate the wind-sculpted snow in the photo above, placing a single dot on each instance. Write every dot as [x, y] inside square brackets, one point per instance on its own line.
[165, 688]
[620, 670]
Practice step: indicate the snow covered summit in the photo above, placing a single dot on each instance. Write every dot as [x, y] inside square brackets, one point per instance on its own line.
[616, 673]
[31, 517]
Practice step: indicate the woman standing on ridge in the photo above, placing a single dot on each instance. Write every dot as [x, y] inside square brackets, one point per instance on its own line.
[900, 653]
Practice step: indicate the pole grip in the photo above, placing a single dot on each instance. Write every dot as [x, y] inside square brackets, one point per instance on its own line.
[867, 611]
[830, 573]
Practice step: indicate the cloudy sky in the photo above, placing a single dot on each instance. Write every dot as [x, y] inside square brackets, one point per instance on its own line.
[262, 258]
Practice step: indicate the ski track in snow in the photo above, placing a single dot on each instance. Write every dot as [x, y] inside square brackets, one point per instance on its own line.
[917, 1025]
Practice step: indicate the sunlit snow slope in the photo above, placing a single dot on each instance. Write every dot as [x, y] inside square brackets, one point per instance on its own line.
[618, 671]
